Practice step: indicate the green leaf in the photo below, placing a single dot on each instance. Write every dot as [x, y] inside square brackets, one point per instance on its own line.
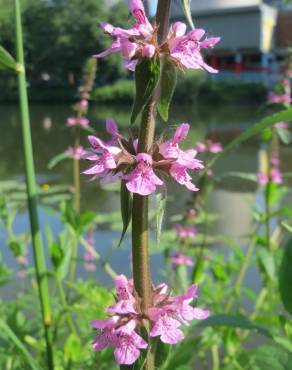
[160, 209]
[168, 80]
[284, 134]
[269, 357]
[9, 334]
[162, 352]
[285, 277]
[234, 322]
[126, 209]
[57, 159]
[72, 348]
[241, 175]
[7, 61]
[146, 78]
[285, 115]
[268, 262]
[287, 227]
[186, 6]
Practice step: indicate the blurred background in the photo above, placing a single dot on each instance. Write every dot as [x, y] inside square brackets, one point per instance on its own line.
[59, 36]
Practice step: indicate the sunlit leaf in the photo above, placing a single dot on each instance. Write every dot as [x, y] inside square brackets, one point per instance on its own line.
[126, 209]
[57, 159]
[160, 209]
[285, 277]
[287, 227]
[7, 61]
[186, 6]
[146, 78]
[234, 322]
[9, 334]
[168, 81]
[257, 128]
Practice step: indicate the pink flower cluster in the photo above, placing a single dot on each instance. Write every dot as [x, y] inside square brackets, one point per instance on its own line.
[184, 232]
[274, 175]
[181, 259]
[75, 121]
[118, 159]
[141, 41]
[121, 329]
[76, 153]
[210, 147]
[278, 99]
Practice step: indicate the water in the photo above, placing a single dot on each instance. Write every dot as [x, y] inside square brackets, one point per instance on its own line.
[231, 198]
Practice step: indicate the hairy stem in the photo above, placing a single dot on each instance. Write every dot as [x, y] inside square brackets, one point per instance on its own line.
[65, 305]
[76, 173]
[38, 250]
[140, 239]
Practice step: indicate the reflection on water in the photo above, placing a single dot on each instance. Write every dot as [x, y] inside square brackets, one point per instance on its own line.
[231, 199]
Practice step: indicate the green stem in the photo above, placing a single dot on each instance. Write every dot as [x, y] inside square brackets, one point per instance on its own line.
[76, 173]
[38, 251]
[215, 357]
[65, 305]
[73, 260]
[268, 216]
[241, 274]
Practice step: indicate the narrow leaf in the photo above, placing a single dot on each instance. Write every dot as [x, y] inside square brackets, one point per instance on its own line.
[168, 83]
[186, 6]
[160, 204]
[285, 277]
[285, 115]
[234, 322]
[126, 209]
[58, 158]
[7, 61]
[284, 134]
[8, 333]
[146, 78]
[287, 227]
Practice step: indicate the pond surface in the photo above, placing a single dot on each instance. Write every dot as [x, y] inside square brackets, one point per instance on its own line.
[231, 198]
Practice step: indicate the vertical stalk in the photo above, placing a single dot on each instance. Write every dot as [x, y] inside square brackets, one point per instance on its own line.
[140, 239]
[76, 171]
[38, 251]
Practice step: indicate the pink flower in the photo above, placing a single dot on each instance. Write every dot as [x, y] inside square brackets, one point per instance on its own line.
[284, 125]
[181, 176]
[278, 99]
[83, 104]
[173, 311]
[210, 146]
[262, 178]
[170, 149]
[165, 318]
[74, 121]
[141, 41]
[133, 43]
[276, 176]
[185, 231]
[142, 180]
[76, 153]
[181, 259]
[186, 49]
[105, 158]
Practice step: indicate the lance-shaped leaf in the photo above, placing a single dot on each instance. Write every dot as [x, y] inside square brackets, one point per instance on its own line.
[285, 115]
[287, 227]
[126, 209]
[7, 61]
[146, 78]
[284, 134]
[8, 334]
[186, 6]
[160, 209]
[285, 277]
[168, 81]
[57, 159]
[234, 322]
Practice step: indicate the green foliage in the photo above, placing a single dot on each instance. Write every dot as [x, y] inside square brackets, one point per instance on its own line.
[147, 74]
[126, 209]
[6, 60]
[168, 80]
[285, 277]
